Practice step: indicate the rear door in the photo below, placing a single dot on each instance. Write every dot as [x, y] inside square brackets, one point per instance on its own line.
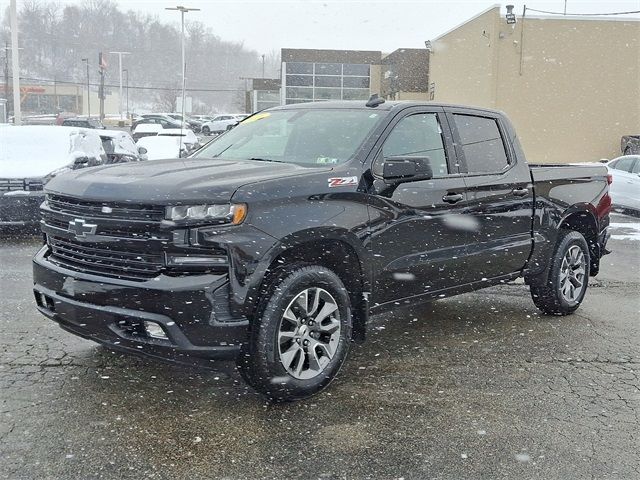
[417, 244]
[499, 193]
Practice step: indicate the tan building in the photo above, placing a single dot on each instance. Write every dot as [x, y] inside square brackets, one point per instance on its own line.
[571, 85]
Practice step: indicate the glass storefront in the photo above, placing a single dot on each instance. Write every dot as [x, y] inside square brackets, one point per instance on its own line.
[316, 82]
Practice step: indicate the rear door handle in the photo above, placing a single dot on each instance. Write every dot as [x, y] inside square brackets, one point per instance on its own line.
[520, 192]
[452, 197]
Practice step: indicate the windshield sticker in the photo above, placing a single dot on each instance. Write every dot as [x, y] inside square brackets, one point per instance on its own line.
[326, 161]
[256, 117]
[343, 182]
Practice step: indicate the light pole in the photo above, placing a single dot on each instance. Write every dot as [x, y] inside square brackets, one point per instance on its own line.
[182, 11]
[126, 82]
[263, 65]
[86, 60]
[120, 54]
[15, 63]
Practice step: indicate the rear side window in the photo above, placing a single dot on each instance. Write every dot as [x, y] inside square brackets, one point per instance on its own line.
[418, 135]
[624, 164]
[481, 143]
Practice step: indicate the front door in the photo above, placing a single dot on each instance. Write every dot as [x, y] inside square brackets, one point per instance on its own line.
[418, 238]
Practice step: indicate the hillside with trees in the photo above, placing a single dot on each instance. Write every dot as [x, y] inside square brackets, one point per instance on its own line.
[55, 38]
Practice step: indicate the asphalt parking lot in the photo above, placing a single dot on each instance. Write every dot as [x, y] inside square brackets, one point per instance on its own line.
[476, 386]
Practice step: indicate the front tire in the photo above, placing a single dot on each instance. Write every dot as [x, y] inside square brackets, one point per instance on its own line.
[561, 290]
[301, 336]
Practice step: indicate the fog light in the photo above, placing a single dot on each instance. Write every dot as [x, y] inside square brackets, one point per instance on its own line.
[196, 260]
[154, 330]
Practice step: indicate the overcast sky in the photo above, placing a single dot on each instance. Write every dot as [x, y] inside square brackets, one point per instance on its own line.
[265, 25]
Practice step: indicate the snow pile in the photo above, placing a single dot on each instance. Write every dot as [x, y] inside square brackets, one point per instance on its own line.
[36, 151]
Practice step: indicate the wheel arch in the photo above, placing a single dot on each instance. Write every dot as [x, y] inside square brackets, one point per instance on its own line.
[337, 249]
[583, 220]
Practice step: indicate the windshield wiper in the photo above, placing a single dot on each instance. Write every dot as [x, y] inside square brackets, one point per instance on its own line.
[257, 159]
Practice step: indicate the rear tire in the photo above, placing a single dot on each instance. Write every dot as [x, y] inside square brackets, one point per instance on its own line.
[206, 131]
[562, 288]
[301, 335]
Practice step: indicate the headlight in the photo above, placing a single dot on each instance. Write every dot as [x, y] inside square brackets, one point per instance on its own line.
[233, 214]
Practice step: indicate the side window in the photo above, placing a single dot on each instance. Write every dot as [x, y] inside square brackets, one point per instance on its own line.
[636, 166]
[624, 164]
[481, 143]
[417, 135]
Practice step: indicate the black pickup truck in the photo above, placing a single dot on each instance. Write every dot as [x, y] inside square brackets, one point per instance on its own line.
[274, 243]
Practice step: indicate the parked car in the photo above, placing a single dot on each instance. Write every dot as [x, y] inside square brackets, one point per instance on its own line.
[625, 189]
[203, 118]
[120, 147]
[162, 147]
[189, 139]
[146, 130]
[630, 145]
[219, 124]
[83, 122]
[162, 120]
[114, 120]
[30, 156]
[192, 123]
[273, 245]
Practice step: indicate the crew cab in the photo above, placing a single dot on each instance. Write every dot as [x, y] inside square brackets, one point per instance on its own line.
[274, 243]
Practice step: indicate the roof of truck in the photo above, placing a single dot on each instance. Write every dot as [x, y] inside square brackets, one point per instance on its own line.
[387, 105]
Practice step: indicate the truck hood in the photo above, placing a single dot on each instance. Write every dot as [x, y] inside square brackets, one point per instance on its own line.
[170, 181]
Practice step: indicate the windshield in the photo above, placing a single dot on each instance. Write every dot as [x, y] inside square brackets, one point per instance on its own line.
[306, 137]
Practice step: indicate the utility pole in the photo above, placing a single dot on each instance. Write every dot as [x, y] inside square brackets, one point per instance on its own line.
[6, 77]
[126, 81]
[263, 65]
[15, 64]
[120, 54]
[86, 60]
[102, 66]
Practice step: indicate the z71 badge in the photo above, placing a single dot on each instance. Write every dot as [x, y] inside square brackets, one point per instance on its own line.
[343, 182]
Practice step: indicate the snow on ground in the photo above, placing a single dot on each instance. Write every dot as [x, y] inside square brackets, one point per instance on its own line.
[625, 230]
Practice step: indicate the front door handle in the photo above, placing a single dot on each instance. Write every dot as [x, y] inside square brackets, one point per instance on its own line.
[452, 197]
[520, 192]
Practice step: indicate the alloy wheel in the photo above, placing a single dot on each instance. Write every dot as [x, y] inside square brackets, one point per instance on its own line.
[573, 274]
[309, 333]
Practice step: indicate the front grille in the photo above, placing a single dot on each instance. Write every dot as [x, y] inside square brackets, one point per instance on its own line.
[122, 230]
[111, 262]
[110, 210]
[12, 184]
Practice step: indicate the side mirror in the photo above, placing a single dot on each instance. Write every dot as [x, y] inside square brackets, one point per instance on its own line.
[81, 162]
[396, 170]
[142, 151]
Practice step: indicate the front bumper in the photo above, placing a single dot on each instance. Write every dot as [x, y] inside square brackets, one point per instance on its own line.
[190, 309]
[20, 208]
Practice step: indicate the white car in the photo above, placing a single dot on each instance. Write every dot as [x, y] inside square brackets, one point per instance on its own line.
[30, 156]
[220, 123]
[119, 146]
[188, 137]
[162, 147]
[625, 188]
[146, 130]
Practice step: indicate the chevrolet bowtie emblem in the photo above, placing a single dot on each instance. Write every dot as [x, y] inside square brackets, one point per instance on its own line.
[82, 228]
